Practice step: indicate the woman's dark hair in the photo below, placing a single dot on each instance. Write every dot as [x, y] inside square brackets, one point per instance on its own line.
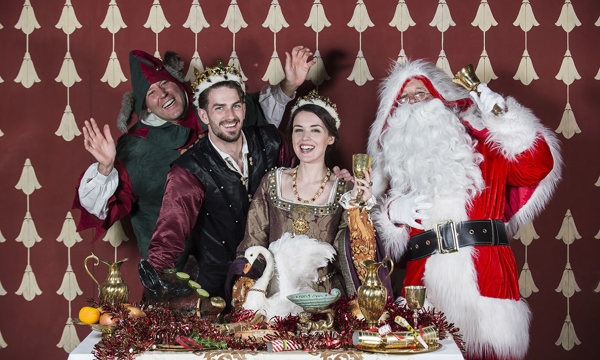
[203, 97]
[323, 114]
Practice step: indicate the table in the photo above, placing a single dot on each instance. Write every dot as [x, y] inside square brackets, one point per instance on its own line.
[449, 351]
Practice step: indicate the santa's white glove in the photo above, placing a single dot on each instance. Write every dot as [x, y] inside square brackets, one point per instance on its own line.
[487, 99]
[407, 209]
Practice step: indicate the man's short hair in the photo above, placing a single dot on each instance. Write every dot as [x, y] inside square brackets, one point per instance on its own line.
[203, 97]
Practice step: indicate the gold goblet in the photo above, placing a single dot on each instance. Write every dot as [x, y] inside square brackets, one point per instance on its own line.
[415, 299]
[361, 163]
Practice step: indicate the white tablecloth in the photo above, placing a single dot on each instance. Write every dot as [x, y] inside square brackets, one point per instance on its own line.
[448, 351]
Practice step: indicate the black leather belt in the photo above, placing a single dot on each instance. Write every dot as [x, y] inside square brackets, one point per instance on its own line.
[448, 237]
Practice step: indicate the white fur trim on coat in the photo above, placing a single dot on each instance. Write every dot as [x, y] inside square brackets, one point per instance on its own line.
[500, 325]
[545, 188]
[512, 131]
[394, 238]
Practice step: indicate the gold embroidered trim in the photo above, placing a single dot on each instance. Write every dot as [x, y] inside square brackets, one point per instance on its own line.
[314, 209]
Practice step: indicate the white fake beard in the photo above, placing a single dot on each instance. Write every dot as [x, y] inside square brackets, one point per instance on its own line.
[427, 151]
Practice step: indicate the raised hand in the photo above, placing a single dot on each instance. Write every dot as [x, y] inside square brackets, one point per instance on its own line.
[343, 174]
[296, 68]
[486, 99]
[100, 144]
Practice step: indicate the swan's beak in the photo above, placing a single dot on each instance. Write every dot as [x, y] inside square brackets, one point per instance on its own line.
[247, 268]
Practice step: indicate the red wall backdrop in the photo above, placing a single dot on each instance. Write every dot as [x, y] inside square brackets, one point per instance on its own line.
[34, 324]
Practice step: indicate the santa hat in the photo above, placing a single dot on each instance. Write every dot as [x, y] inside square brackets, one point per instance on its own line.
[145, 70]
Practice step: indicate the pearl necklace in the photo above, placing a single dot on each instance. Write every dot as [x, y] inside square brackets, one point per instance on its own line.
[319, 192]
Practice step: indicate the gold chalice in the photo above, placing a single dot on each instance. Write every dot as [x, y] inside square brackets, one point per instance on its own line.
[415, 299]
[361, 163]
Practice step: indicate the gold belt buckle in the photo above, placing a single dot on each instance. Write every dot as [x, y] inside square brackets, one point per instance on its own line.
[440, 242]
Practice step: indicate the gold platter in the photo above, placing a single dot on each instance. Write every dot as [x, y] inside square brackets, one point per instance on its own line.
[180, 348]
[106, 330]
[399, 351]
[175, 348]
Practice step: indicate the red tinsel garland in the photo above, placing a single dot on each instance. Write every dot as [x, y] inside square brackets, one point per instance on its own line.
[162, 326]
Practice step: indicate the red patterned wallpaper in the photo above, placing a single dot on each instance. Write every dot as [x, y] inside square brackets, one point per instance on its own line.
[44, 108]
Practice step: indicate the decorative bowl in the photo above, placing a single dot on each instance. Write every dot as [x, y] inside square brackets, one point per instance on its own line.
[315, 300]
[106, 330]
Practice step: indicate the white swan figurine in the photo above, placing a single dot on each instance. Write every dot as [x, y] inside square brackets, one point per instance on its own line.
[291, 268]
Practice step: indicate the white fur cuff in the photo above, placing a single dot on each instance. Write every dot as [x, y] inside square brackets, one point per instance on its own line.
[348, 202]
[394, 238]
[515, 130]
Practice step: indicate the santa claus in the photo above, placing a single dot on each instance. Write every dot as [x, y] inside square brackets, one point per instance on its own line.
[454, 181]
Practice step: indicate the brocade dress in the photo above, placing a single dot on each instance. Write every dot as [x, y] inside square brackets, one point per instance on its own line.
[270, 216]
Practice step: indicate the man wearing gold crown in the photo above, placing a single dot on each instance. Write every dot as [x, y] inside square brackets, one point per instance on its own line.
[128, 180]
[209, 188]
[454, 181]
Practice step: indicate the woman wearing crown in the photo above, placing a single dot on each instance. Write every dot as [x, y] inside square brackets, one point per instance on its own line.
[308, 200]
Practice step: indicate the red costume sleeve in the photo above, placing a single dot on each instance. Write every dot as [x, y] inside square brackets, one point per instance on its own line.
[524, 175]
[531, 166]
[119, 205]
[184, 195]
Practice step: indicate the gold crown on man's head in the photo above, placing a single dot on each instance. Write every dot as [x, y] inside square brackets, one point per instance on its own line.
[314, 98]
[213, 75]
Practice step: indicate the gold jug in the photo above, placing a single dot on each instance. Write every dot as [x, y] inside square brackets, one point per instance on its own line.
[113, 290]
[372, 294]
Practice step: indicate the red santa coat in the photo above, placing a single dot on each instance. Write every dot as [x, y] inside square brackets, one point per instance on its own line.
[476, 287]
[497, 275]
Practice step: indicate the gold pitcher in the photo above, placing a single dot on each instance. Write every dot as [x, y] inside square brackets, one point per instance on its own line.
[372, 294]
[113, 290]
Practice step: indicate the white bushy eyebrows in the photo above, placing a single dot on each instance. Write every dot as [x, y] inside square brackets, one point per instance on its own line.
[419, 88]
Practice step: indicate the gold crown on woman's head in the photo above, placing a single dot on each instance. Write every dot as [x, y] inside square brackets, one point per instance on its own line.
[314, 98]
[214, 75]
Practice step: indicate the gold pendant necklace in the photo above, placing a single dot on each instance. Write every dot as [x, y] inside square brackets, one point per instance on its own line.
[319, 192]
[301, 225]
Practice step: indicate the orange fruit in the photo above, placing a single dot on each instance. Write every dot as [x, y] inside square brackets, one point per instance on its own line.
[89, 315]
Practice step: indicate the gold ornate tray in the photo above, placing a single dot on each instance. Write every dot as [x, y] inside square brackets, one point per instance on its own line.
[175, 348]
[106, 330]
[400, 351]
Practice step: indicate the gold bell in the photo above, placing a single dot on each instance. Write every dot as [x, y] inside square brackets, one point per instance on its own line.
[467, 78]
